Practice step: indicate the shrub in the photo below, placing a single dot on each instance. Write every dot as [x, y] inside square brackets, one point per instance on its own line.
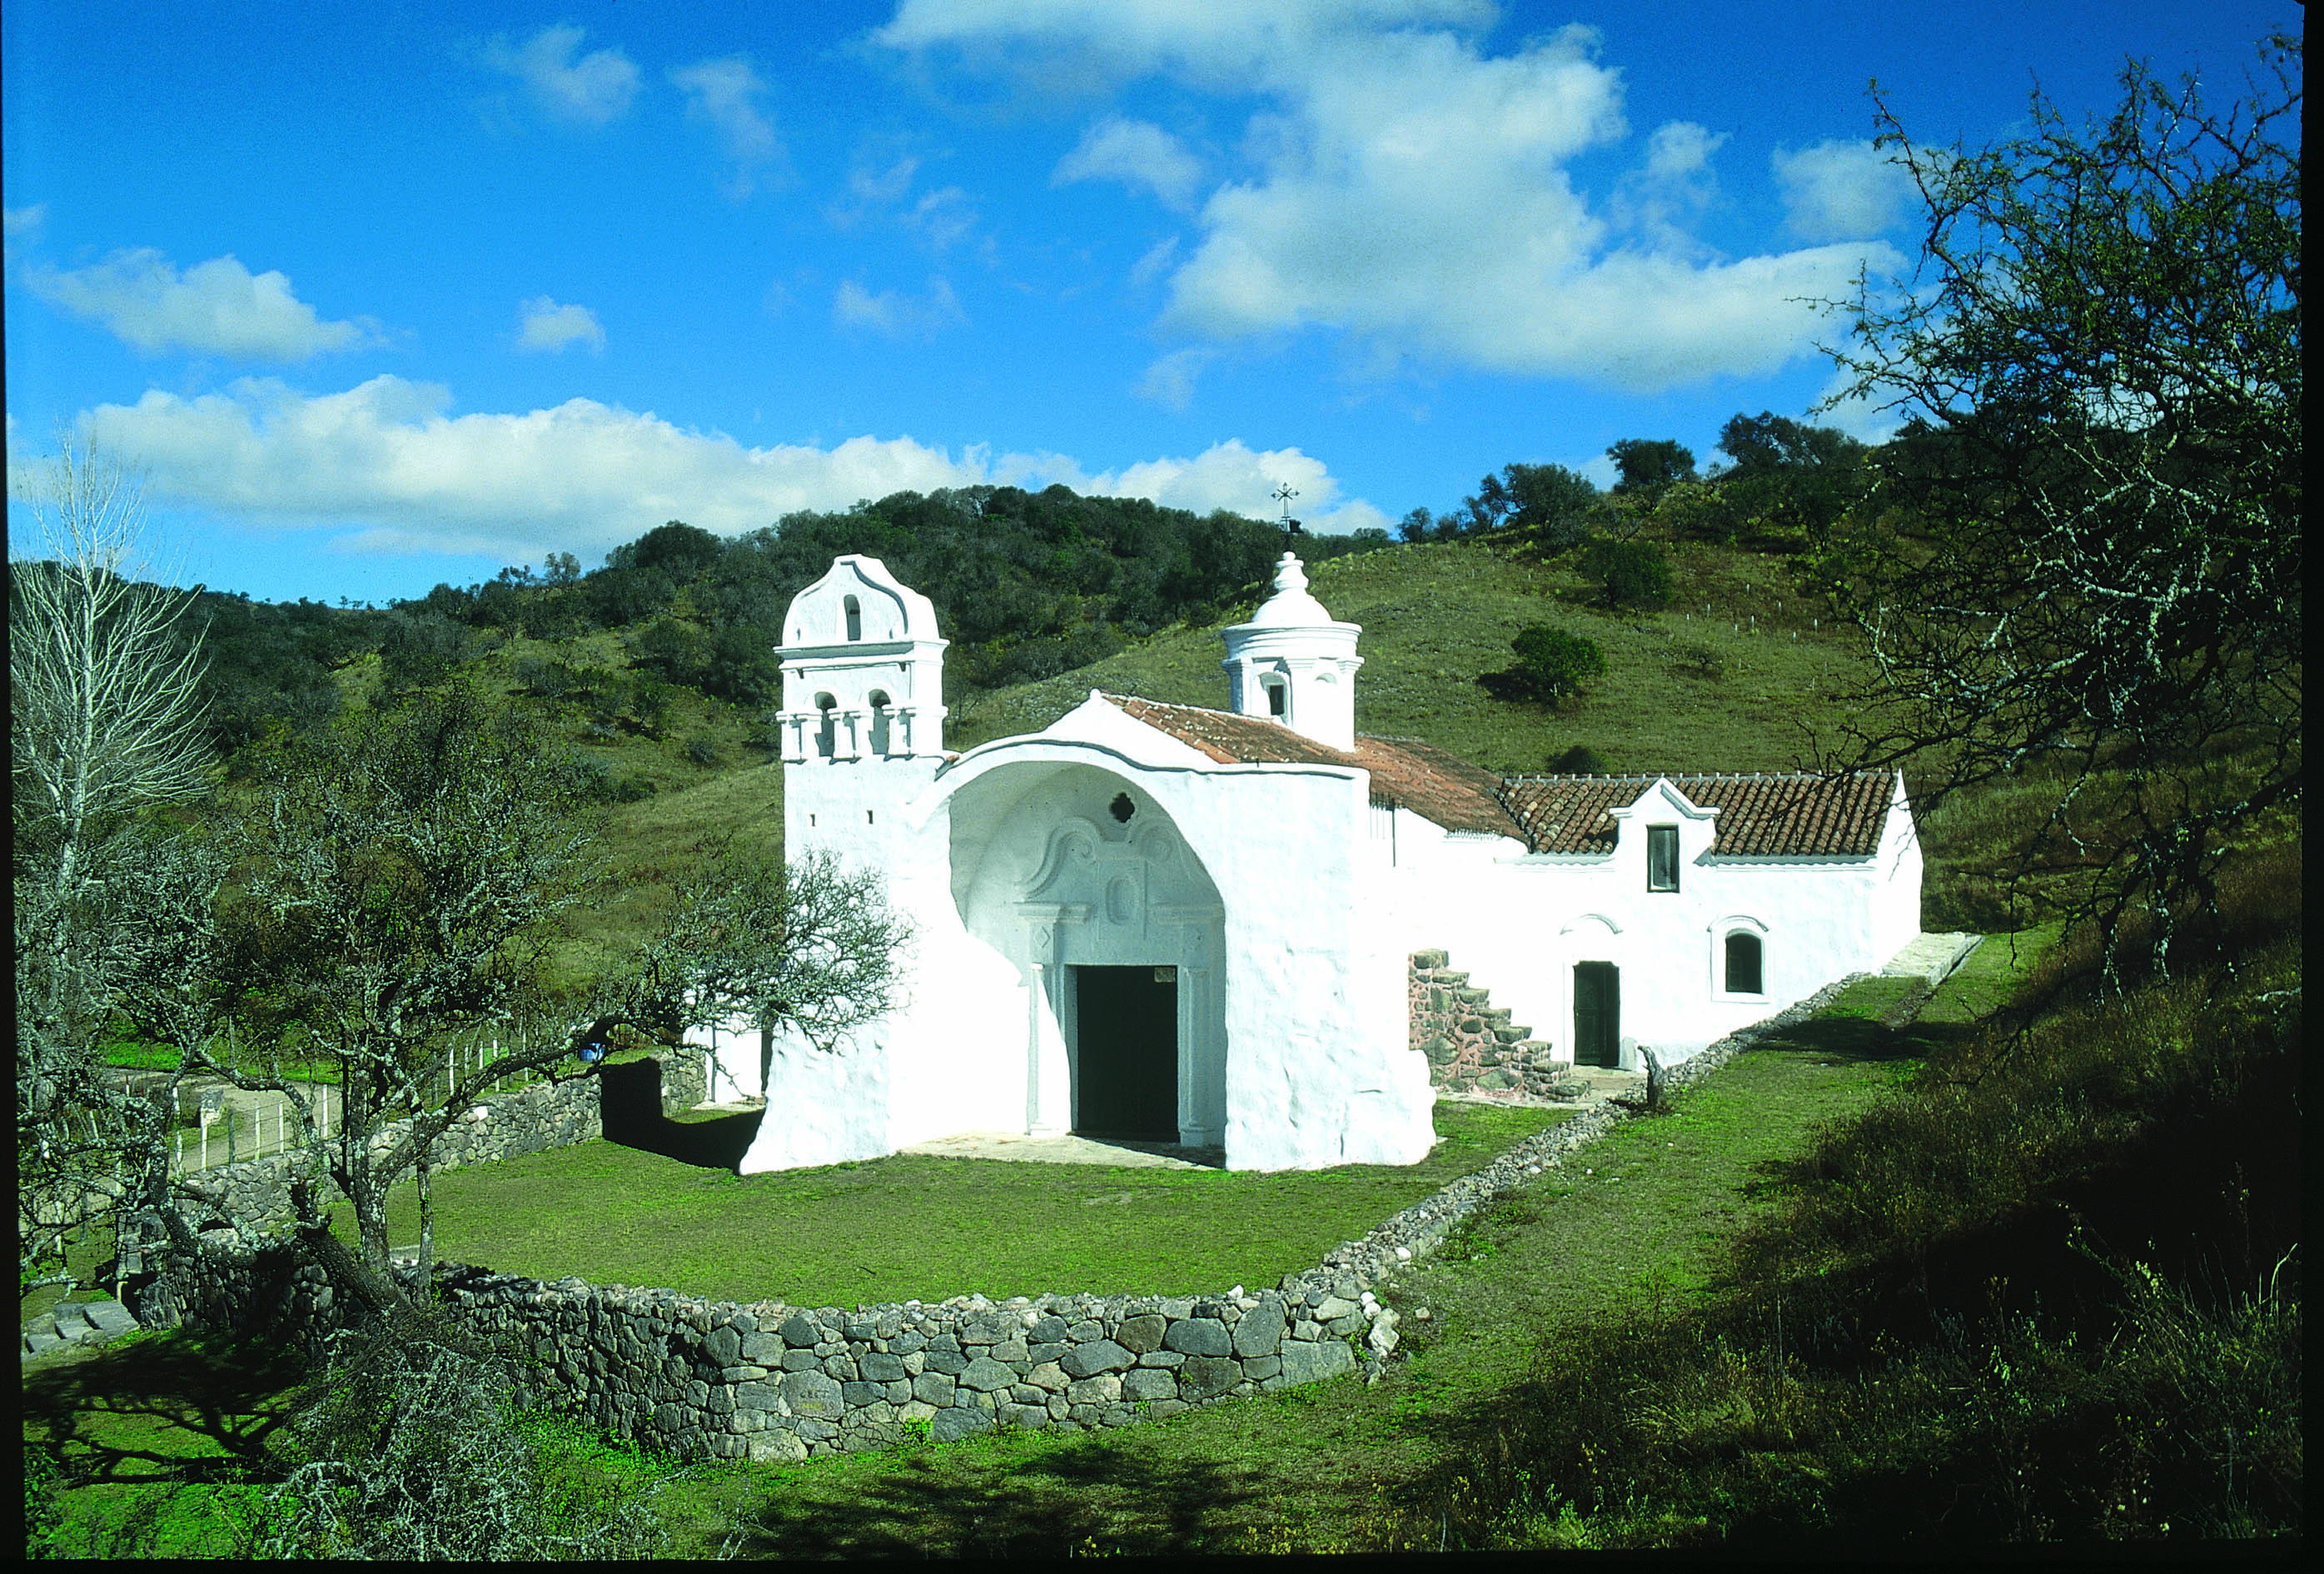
[1581, 760]
[1631, 573]
[412, 1446]
[702, 749]
[1552, 666]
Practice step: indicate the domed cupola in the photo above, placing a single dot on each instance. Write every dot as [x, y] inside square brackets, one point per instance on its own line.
[1294, 663]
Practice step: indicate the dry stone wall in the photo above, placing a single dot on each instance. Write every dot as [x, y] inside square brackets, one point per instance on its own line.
[765, 1380]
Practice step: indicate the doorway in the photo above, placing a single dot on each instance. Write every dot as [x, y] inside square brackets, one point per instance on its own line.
[1597, 1014]
[1126, 1053]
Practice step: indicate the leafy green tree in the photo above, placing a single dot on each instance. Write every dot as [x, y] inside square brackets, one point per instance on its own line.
[401, 891]
[1649, 463]
[2086, 544]
[1634, 573]
[1552, 666]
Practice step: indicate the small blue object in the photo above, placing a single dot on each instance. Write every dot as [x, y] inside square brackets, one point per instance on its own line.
[592, 1053]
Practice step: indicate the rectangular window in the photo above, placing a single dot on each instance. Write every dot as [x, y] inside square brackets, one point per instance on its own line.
[1662, 858]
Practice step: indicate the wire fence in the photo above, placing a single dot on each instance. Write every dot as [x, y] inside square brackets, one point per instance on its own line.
[220, 1125]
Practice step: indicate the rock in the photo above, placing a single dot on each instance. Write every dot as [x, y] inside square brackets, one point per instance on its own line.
[723, 1345]
[880, 1368]
[799, 1332]
[952, 1363]
[758, 1396]
[1199, 1336]
[1333, 1307]
[933, 1388]
[1139, 1335]
[985, 1374]
[1098, 1356]
[776, 1447]
[1103, 1389]
[1207, 1376]
[952, 1425]
[1031, 1418]
[1145, 1383]
[1085, 1330]
[1048, 1375]
[1047, 1330]
[1260, 1329]
[1312, 1363]
[811, 1394]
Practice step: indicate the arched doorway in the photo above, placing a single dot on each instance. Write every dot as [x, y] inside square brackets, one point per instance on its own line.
[1080, 876]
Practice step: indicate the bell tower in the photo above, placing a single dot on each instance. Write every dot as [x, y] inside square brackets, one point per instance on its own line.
[861, 721]
[1293, 664]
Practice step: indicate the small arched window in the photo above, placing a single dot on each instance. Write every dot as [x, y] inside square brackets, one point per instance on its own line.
[879, 721]
[826, 735]
[854, 619]
[1744, 956]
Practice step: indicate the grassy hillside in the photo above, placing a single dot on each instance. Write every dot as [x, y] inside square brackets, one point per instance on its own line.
[1734, 677]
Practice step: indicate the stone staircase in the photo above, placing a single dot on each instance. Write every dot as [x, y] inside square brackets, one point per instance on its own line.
[1473, 1046]
[77, 1322]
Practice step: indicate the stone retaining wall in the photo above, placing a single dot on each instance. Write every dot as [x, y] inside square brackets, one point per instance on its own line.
[764, 1381]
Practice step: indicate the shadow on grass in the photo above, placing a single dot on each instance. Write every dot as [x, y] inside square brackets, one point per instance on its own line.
[1081, 1500]
[174, 1405]
[634, 1118]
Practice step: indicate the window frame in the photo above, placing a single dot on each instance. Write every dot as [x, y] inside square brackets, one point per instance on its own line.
[1727, 984]
[1664, 837]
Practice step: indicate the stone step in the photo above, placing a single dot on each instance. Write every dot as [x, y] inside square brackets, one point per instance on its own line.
[1512, 1036]
[1474, 997]
[1424, 960]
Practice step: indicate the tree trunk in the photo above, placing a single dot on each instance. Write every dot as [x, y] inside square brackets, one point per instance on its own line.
[427, 1221]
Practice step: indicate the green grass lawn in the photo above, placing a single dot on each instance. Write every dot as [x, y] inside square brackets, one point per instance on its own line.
[911, 1226]
[1633, 1221]
[1640, 1219]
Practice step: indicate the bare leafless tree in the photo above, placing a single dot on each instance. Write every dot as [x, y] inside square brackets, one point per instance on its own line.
[105, 723]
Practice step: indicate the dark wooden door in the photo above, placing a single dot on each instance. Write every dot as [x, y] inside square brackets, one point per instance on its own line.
[1597, 1014]
[1126, 1064]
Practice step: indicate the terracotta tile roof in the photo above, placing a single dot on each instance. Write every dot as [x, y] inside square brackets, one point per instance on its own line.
[1766, 816]
[1432, 784]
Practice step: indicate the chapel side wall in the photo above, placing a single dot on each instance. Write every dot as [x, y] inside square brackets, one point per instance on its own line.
[1518, 925]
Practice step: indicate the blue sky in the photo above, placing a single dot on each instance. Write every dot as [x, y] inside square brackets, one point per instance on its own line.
[385, 295]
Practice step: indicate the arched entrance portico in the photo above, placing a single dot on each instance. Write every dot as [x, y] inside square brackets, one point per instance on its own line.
[1081, 878]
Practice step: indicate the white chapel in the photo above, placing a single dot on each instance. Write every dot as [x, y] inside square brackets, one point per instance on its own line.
[1161, 922]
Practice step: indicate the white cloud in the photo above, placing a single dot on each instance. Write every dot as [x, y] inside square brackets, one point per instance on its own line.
[1839, 190]
[725, 93]
[1156, 259]
[894, 315]
[547, 327]
[214, 307]
[24, 226]
[1136, 153]
[389, 458]
[594, 89]
[1412, 192]
[1170, 380]
[1231, 477]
